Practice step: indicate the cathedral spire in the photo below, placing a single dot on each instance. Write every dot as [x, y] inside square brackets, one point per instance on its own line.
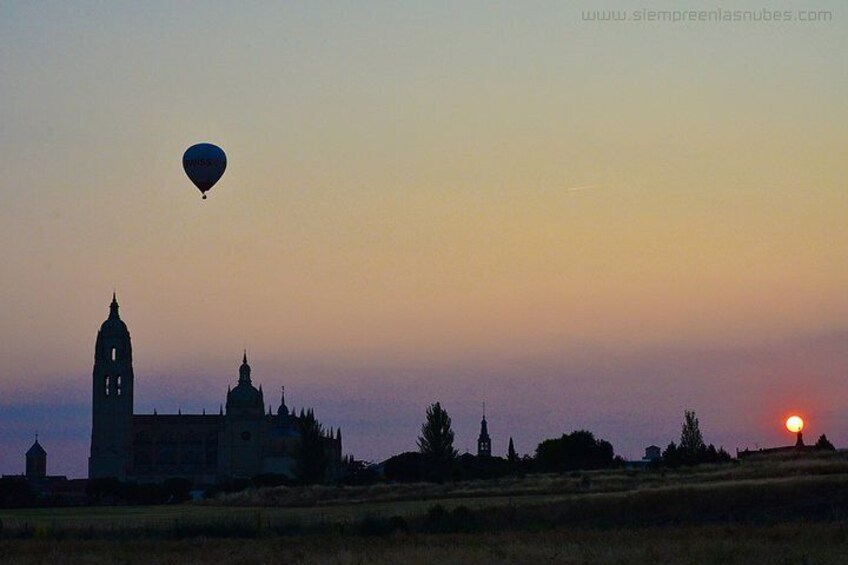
[113, 308]
[244, 370]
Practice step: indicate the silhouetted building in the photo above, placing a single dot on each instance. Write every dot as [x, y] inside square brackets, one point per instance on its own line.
[242, 442]
[652, 453]
[36, 461]
[484, 443]
[35, 478]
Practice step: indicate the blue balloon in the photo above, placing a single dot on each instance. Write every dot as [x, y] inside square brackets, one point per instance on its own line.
[204, 164]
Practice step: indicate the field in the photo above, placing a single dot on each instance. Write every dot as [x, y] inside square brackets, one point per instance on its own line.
[789, 510]
[796, 543]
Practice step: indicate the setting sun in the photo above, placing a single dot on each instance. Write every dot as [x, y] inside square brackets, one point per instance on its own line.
[794, 424]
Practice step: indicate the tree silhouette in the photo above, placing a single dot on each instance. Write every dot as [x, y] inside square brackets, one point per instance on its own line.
[577, 450]
[691, 440]
[310, 455]
[436, 440]
[511, 455]
[824, 443]
[692, 449]
[671, 455]
[407, 466]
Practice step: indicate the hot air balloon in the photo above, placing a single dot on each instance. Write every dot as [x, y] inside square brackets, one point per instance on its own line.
[204, 164]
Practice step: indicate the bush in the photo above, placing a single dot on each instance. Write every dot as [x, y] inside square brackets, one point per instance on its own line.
[16, 493]
[176, 490]
[674, 456]
[376, 526]
[440, 520]
[405, 467]
[577, 450]
[824, 444]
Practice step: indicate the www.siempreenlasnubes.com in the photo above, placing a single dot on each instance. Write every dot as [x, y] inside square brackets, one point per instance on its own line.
[707, 16]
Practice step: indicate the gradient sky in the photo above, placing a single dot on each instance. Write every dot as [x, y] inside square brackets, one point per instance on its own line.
[584, 224]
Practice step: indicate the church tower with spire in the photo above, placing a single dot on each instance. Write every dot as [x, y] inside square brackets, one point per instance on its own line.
[112, 399]
[243, 434]
[484, 443]
[36, 461]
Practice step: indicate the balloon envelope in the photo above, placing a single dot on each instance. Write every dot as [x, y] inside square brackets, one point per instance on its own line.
[204, 164]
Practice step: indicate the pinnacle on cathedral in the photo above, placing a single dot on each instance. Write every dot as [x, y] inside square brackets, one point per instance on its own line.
[283, 409]
[113, 307]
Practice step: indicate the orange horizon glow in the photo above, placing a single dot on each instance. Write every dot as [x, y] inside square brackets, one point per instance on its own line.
[794, 424]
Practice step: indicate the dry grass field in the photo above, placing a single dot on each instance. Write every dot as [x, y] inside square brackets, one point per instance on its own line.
[609, 481]
[784, 544]
[776, 510]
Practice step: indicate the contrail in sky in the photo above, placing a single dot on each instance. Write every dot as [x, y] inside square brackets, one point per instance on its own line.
[583, 187]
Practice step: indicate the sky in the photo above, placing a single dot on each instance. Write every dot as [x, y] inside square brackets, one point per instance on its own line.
[584, 224]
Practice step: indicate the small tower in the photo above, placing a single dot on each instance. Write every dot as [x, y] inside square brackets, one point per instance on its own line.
[112, 399]
[484, 443]
[36, 461]
[284, 419]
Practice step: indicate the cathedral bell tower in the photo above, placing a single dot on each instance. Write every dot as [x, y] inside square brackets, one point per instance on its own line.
[112, 399]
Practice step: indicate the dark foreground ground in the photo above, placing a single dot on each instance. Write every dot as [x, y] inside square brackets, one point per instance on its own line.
[783, 544]
[783, 511]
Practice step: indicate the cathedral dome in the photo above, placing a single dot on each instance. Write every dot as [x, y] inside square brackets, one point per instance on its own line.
[244, 395]
[245, 399]
[114, 323]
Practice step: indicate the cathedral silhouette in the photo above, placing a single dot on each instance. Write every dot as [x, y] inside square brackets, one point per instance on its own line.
[240, 442]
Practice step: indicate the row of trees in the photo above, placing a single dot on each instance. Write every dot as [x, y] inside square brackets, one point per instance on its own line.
[692, 449]
[438, 459]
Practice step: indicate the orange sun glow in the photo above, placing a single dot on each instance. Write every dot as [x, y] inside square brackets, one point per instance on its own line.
[794, 424]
